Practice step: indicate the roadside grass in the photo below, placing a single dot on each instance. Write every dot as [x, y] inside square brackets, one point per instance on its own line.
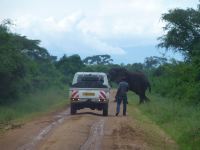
[33, 105]
[180, 121]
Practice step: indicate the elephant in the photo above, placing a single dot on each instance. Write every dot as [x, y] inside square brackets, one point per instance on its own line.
[137, 81]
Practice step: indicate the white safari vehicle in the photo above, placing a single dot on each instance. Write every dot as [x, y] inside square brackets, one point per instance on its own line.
[90, 90]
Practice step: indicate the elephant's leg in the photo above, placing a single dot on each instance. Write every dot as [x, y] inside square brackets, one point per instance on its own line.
[141, 99]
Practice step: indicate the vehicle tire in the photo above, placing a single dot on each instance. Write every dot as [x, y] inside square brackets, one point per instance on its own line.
[73, 109]
[105, 110]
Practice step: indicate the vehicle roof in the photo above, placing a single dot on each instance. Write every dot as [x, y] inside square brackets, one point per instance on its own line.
[95, 73]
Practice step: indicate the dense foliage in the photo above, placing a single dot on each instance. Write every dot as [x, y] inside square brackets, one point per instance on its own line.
[24, 67]
[68, 66]
[181, 79]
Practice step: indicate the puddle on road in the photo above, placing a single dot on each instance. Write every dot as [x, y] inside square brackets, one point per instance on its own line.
[43, 133]
[96, 133]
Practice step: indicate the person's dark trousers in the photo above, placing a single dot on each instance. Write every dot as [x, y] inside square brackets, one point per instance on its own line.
[119, 100]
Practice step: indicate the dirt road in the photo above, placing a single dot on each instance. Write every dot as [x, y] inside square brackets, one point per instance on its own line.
[87, 130]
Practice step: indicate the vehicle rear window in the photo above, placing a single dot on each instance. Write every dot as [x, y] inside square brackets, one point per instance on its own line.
[90, 81]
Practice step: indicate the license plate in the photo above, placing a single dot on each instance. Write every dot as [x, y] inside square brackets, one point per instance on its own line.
[88, 94]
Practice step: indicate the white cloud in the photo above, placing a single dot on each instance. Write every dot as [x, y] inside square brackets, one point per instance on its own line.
[99, 26]
[124, 18]
[103, 47]
[63, 25]
[57, 33]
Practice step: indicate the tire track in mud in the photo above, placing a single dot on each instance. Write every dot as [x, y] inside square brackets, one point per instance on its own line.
[95, 137]
[59, 119]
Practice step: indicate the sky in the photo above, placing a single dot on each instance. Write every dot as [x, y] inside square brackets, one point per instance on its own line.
[125, 29]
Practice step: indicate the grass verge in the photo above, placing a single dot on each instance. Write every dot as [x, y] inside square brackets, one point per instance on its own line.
[33, 105]
[179, 121]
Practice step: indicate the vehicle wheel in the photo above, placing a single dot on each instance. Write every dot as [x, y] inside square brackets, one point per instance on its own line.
[105, 110]
[73, 110]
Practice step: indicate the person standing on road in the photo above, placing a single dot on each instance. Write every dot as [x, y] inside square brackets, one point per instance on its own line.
[122, 95]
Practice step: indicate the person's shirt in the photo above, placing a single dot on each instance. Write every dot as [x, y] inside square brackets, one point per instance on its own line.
[122, 89]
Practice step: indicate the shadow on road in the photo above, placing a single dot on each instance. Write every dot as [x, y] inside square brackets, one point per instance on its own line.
[94, 114]
[88, 113]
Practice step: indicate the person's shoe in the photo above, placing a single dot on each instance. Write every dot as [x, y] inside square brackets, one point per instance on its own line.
[117, 114]
[124, 114]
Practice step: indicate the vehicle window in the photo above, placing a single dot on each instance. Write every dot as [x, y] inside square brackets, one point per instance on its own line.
[90, 81]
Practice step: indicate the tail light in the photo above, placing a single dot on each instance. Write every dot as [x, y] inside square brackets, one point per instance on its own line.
[102, 100]
[74, 99]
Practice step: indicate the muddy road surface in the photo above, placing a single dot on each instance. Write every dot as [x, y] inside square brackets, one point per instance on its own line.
[87, 130]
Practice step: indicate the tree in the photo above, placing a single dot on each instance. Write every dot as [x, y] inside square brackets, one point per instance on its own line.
[25, 46]
[12, 67]
[182, 31]
[69, 65]
[98, 59]
[24, 64]
[154, 61]
[135, 67]
[183, 34]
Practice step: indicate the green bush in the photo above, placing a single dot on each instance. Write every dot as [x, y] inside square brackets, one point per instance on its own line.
[179, 120]
[178, 81]
[34, 103]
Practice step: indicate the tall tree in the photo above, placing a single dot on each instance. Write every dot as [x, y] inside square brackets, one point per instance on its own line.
[182, 31]
[154, 61]
[69, 65]
[12, 67]
[23, 63]
[98, 59]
